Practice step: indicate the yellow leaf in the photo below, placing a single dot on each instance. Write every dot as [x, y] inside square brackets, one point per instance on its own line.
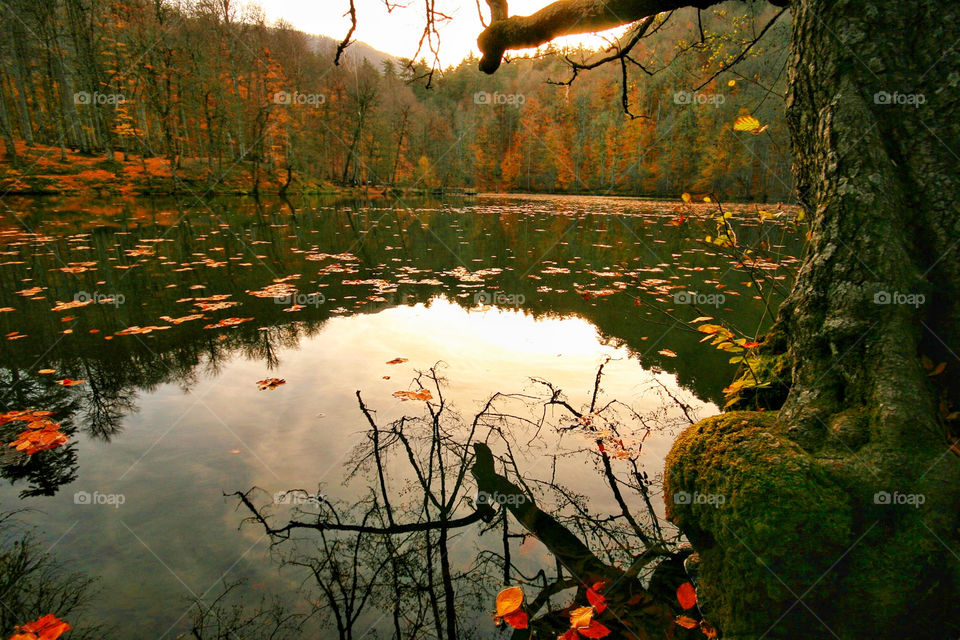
[746, 123]
[581, 617]
[685, 197]
[509, 600]
[731, 83]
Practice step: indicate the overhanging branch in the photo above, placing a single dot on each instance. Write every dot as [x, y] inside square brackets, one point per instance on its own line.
[567, 17]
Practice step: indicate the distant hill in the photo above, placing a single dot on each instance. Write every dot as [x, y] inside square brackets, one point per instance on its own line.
[356, 52]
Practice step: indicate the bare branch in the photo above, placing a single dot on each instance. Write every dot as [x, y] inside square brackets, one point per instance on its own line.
[567, 17]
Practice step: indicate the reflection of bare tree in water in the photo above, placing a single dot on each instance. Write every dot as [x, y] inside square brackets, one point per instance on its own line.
[386, 561]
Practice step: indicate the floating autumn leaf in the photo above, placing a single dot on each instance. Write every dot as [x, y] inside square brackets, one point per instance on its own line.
[46, 371]
[41, 435]
[397, 361]
[48, 627]
[135, 330]
[593, 597]
[182, 319]
[423, 394]
[701, 319]
[708, 629]
[24, 415]
[509, 601]
[939, 369]
[227, 322]
[581, 617]
[687, 622]
[685, 197]
[687, 595]
[749, 124]
[595, 630]
[270, 383]
[668, 353]
[581, 620]
[67, 382]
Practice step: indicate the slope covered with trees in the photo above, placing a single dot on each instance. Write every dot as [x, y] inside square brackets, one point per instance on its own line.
[224, 98]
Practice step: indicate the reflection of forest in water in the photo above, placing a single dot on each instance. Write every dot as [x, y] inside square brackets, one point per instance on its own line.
[363, 258]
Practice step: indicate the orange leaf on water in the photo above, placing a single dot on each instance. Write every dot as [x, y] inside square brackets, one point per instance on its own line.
[48, 627]
[581, 617]
[397, 361]
[270, 383]
[687, 595]
[595, 630]
[67, 382]
[509, 600]
[518, 619]
[687, 622]
[708, 629]
[423, 394]
[594, 597]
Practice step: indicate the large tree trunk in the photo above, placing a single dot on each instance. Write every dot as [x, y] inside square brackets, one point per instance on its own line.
[842, 511]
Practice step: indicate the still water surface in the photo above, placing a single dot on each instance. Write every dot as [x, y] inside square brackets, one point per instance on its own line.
[492, 293]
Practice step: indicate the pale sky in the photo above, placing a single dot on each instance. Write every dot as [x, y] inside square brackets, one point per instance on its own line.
[397, 33]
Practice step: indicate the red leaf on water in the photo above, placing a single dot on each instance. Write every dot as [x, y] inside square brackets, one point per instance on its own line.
[687, 595]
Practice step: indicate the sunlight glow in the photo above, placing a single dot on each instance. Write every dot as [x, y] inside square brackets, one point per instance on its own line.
[399, 31]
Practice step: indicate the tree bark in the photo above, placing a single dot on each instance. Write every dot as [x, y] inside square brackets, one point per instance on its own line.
[874, 311]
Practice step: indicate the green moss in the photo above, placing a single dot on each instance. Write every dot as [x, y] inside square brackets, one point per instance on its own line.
[762, 382]
[767, 521]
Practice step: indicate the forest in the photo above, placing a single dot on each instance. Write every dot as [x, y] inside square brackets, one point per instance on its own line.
[650, 340]
[220, 95]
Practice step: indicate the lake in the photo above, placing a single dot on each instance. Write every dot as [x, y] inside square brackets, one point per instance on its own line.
[146, 325]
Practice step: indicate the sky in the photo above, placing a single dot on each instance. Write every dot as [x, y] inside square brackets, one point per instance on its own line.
[398, 33]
